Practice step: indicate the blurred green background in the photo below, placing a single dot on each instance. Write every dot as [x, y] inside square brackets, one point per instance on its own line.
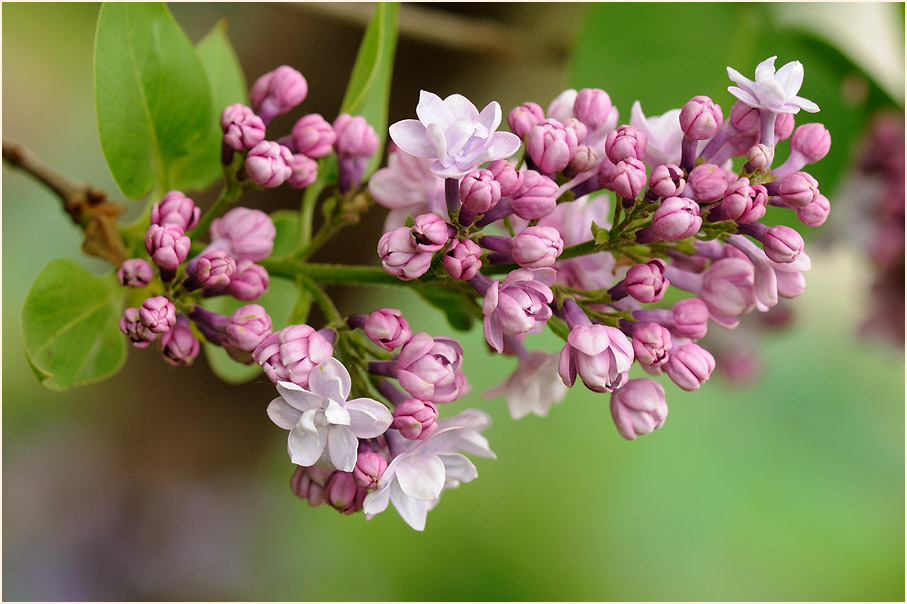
[163, 483]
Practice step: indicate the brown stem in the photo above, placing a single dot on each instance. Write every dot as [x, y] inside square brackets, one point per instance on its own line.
[88, 207]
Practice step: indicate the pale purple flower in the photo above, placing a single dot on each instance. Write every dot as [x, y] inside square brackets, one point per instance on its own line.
[600, 355]
[322, 422]
[533, 387]
[407, 187]
[775, 92]
[431, 369]
[518, 305]
[638, 408]
[663, 135]
[473, 422]
[454, 134]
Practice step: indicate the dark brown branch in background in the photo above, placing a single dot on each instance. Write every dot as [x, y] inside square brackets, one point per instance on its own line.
[87, 206]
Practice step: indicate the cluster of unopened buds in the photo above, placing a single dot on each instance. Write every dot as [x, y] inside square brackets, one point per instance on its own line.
[586, 222]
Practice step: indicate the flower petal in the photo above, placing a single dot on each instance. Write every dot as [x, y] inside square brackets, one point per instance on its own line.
[791, 78]
[376, 501]
[804, 104]
[421, 476]
[330, 379]
[298, 397]
[460, 107]
[283, 414]
[410, 136]
[305, 447]
[458, 467]
[413, 511]
[765, 70]
[342, 446]
[336, 414]
[432, 110]
[368, 417]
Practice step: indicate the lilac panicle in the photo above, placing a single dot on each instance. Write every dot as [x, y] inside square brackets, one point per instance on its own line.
[551, 146]
[168, 247]
[651, 344]
[536, 196]
[592, 107]
[667, 181]
[600, 355]
[675, 219]
[707, 183]
[700, 118]
[430, 233]
[343, 494]
[626, 142]
[249, 326]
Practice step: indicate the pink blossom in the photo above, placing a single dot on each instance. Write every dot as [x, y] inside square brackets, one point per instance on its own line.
[518, 305]
[431, 369]
[599, 354]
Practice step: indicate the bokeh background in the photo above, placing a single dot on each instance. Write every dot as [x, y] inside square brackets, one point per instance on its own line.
[782, 479]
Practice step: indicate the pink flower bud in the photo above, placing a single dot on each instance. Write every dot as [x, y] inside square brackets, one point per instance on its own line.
[700, 118]
[399, 255]
[506, 175]
[248, 327]
[313, 136]
[690, 318]
[462, 260]
[745, 118]
[167, 245]
[784, 126]
[430, 233]
[630, 178]
[292, 353]
[369, 469]
[600, 355]
[638, 408]
[592, 107]
[782, 244]
[138, 334]
[522, 119]
[675, 219]
[551, 146]
[578, 128]
[249, 234]
[309, 483]
[343, 494]
[242, 128]
[667, 181]
[479, 191]
[759, 157]
[415, 419]
[646, 282]
[249, 282]
[355, 137]
[431, 369]
[798, 189]
[536, 196]
[728, 287]
[518, 305]
[214, 269]
[651, 343]
[812, 141]
[277, 92]
[626, 142]
[179, 345]
[268, 164]
[690, 366]
[742, 203]
[175, 208]
[814, 213]
[537, 247]
[586, 159]
[707, 183]
[157, 314]
[790, 285]
[303, 171]
[135, 272]
[387, 328]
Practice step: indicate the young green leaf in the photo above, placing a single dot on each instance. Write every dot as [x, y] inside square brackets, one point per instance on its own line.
[70, 326]
[152, 97]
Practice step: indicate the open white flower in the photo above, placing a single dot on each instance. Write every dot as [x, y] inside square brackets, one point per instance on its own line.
[775, 92]
[321, 420]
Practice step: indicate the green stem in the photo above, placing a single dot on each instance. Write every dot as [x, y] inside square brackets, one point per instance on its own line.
[332, 274]
[323, 301]
[228, 194]
[307, 211]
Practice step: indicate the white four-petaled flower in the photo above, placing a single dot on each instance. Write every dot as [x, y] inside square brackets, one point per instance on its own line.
[772, 91]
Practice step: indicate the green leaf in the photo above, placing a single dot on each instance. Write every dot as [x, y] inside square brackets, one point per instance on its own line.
[286, 223]
[599, 234]
[451, 304]
[70, 326]
[228, 85]
[152, 97]
[369, 89]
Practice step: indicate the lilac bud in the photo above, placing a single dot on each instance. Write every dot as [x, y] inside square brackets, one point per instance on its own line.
[416, 419]
[646, 282]
[707, 183]
[135, 272]
[506, 175]
[175, 208]
[814, 213]
[249, 233]
[400, 257]
[277, 92]
[387, 328]
[592, 107]
[625, 143]
[586, 159]
[759, 157]
[309, 483]
[179, 345]
[745, 118]
[551, 146]
[355, 137]
[303, 171]
[479, 191]
[462, 260]
[343, 494]
[578, 128]
[667, 181]
[157, 314]
[313, 136]
[812, 141]
[214, 269]
[630, 178]
[167, 246]
[430, 233]
[675, 219]
[798, 189]
[790, 285]
[369, 469]
[782, 244]
[537, 247]
[249, 282]
[700, 118]
[651, 343]
[242, 128]
[268, 164]
[248, 327]
[536, 196]
[784, 126]
[431, 369]
[690, 318]
[638, 408]
[742, 203]
[523, 118]
[138, 334]
[292, 353]
[600, 355]
[520, 304]
[690, 366]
